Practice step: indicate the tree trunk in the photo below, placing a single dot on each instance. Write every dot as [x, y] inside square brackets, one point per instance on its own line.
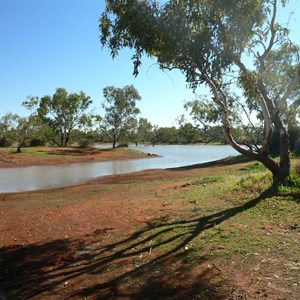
[66, 141]
[20, 145]
[67, 138]
[56, 143]
[281, 171]
[284, 153]
[278, 171]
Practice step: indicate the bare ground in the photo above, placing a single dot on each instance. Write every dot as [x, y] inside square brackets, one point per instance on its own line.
[134, 236]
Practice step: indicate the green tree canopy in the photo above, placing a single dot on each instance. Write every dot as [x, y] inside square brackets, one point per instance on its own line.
[17, 128]
[141, 131]
[120, 108]
[225, 45]
[62, 113]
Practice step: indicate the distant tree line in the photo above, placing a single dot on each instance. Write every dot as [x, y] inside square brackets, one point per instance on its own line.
[63, 119]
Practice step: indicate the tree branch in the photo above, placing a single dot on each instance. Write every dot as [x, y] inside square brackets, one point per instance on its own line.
[225, 121]
[289, 90]
[272, 41]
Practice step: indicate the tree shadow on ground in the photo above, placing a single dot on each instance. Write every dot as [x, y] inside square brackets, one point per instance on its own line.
[149, 264]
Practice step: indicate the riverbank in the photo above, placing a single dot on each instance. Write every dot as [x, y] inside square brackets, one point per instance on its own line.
[36, 156]
[209, 232]
[57, 167]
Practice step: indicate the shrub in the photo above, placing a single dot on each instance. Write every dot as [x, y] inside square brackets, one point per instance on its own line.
[296, 170]
[122, 145]
[5, 142]
[297, 147]
[86, 143]
[36, 142]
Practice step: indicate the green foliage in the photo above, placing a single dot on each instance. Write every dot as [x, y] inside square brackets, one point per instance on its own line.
[36, 142]
[17, 128]
[226, 45]
[120, 111]
[297, 147]
[280, 69]
[253, 167]
[207, 115]
[210, 179]
[188, 134]
[62, 113]
[296, 170]
[142, 132]
[184, 35]
[249, 82]
[5, 142]
[254, 182]
[166, 135]
[86, 143]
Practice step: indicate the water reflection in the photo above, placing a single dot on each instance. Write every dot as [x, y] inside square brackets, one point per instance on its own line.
[44, 177]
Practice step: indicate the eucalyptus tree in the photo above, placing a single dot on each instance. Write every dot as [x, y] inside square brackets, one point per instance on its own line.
[120, 110]
[224, 45]
[165, 135]
[62, 113]
[279, 72]
[17, 128]
[208, 118]
[188, 133]
[141, 131]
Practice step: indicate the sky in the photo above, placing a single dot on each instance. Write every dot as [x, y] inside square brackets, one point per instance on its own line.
[47, 44]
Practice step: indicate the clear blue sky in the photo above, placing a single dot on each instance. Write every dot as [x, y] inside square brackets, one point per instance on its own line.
[48, 44]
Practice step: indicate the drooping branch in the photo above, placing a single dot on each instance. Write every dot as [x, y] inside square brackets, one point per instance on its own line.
[291, 87]
[266, 106]
[247, 115]
[225, 120]
[273, 32]
[205, 40]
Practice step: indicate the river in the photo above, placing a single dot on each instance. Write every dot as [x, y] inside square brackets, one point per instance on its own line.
[46, 177]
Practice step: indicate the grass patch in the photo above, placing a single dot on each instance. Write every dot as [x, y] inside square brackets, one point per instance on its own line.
[28, 150]
[223, 224]
[253, 167]
[37, 152]
[8, 150]
[127, 150]
[210, 179]
[296, 170]
[253, 182]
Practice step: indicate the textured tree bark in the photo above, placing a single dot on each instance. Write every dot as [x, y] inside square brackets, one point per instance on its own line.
[114, 142]
[284, 153]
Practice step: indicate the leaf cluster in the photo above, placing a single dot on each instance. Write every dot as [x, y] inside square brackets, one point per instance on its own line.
[120, 109]
[61, 113]
[197, 37]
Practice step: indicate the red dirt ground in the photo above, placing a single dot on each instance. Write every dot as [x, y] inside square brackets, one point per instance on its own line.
[60, 155]
[94, 241]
